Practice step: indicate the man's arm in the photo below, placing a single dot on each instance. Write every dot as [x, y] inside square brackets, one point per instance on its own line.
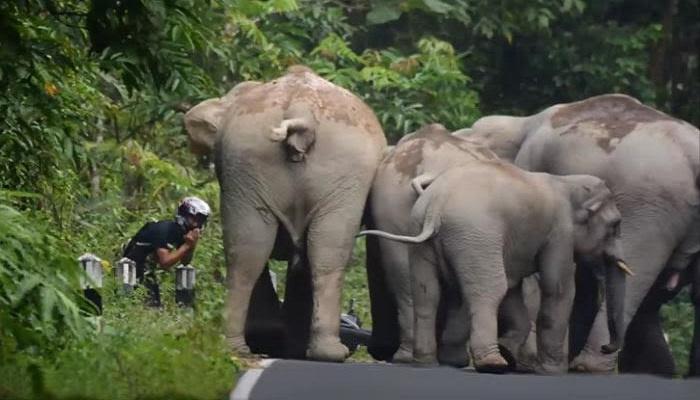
[187, 258]
[167, 259]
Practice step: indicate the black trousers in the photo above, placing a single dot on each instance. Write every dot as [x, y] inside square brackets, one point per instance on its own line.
[147, 277]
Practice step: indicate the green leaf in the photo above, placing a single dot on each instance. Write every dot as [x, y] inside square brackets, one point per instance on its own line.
[438, 6]
[284, 5]
[15, 193]
[383, 12]
[48, 301]
[27, 285]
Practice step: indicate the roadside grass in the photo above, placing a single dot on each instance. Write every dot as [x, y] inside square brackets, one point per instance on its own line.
[177, 353]
[138, 353]
[678, 318]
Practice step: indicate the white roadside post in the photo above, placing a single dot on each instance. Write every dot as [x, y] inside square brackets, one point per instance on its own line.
[91, 280]
[184, 285]
[126, 274]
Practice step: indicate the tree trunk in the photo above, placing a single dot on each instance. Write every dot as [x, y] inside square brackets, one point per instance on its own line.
[659, 66]
[94, 171]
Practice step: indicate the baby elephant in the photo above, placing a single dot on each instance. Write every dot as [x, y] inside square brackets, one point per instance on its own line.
[487, 225]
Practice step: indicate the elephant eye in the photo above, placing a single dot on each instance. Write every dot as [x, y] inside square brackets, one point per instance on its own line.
[615, 228]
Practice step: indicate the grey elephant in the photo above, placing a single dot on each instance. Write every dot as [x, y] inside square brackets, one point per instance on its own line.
[295, 158]
[651, 162]
[430, 150]
[486, 225]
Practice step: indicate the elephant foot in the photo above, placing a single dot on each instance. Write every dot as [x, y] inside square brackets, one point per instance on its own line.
[402, 356]
[452, 355]
[329, 349]
[588, 362]
[526, 362]
[237, 344]
[381, 352]
[492, 363]
[507, 352]
[425, 361]
[550, 368]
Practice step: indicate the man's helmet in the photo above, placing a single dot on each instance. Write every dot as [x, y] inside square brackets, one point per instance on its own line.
[196, 209]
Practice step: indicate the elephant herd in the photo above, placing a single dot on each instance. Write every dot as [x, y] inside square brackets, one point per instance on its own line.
[543, 243]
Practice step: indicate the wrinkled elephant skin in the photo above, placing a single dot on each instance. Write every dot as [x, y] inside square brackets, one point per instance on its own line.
[428, 151]
[486, 225]
[295, 158]
[649, 160]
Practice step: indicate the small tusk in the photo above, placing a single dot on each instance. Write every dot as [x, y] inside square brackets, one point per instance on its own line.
[623, 266]
[673, 281]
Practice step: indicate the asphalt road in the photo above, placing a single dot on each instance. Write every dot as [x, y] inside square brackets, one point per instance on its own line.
[291, 379]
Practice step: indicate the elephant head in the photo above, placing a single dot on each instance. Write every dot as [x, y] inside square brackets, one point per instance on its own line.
[503, 134]
[204, 120]
[597, 242]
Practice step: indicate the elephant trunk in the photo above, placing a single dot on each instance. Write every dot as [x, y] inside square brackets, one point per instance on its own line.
[615, 270]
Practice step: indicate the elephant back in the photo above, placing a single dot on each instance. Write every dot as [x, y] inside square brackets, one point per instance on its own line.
[610, 118]
[323, 99]
[432, 149]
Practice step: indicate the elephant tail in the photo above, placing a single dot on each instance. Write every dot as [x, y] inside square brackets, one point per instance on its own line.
[299, 134]
[429, 230]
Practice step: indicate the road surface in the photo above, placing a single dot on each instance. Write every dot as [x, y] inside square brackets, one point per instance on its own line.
[291, 379]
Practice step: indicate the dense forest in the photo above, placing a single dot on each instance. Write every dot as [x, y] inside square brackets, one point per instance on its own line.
[92, 94]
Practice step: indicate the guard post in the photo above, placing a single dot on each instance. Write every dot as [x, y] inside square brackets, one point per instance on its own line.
[184, 285]
[126, 274]
[91, 279]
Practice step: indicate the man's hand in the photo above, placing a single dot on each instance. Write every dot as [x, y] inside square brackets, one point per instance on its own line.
[167, 258]
[192, 237]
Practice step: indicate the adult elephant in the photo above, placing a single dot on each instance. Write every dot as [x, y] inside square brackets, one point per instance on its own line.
[429, 150]
[295, 158]
[650, 161]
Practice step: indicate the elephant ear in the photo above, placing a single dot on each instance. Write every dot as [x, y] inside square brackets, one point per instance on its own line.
[204, 120]
[202, 123]
[593, 204]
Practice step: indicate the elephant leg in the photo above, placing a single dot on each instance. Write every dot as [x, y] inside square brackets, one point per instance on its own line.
[558, 287]
[264, 328]
[584, 309]
[514, 327]
[396, 265]
[647, 254]
[482, 276]
[452, 347]
[527, 356]
[646, 350]
[297, 306]
[330, 240]
[426, 298]
[694, 362]
[385, 325]
[246, 256]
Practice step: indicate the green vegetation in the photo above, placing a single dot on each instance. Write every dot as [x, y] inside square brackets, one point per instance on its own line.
[678, 324]
[92, 94]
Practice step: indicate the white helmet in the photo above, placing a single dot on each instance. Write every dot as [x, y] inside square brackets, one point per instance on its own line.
[194, 207]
